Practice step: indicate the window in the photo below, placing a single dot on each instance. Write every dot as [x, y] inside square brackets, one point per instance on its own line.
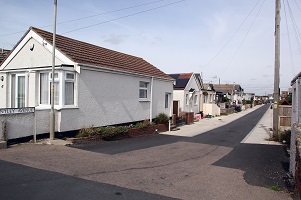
[45, 88]
[195, 99]
[63, 88]
[205, 98]
[143, 90]
[167, 97]
[18, 90]
[186, 99]
[69, 89]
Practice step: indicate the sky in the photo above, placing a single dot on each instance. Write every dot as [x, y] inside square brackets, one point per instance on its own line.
[228, 41]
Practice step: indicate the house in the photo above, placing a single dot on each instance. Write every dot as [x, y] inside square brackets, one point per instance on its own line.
[94, 86]
[248, 96]
[3, 54]
[191, 95]
[295, 122]
[232, 91]
[296, 99]
[186, 92]
[210, 100]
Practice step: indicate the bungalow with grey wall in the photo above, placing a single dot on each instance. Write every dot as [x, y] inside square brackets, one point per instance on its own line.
[94, 86]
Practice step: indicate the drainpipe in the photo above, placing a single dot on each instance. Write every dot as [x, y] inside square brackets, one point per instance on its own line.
[151, 101]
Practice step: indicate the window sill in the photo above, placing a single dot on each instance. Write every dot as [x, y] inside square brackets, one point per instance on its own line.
[144, 100]
[47, 107]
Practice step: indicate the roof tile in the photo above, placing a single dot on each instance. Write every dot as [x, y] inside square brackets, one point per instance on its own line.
[89, 54]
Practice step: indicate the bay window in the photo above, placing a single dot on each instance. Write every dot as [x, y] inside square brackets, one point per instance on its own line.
[63, 88]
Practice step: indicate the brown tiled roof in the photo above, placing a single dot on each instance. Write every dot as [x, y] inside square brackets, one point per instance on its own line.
[89, 54]
[3, 54]
[226, 87]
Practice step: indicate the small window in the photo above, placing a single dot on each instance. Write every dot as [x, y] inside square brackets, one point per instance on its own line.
[143, 90]
[195, 99]
[167, 100]
[186, 99]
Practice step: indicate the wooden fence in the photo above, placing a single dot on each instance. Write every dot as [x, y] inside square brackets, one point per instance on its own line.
[285, 113]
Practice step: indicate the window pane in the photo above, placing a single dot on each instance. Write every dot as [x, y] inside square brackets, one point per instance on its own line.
[69, 93]
[56, 93]
[44, 91]
[69, 75]
[166, 100]
[21, 92]
[13, 90]
[142, 93]
[143, 84]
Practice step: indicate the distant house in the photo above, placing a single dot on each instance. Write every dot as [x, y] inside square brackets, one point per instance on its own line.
[210, 100]
[3, 54]
[192, 95]
[186, 92]
[232, 91]
[94, 86]
[248, 96]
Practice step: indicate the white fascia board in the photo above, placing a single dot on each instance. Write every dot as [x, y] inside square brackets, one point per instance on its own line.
[59, 55]
[31, 34]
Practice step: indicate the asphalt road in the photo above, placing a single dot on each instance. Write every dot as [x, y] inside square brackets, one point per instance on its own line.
[212, 165]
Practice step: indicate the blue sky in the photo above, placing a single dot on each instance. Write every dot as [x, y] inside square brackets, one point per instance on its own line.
[206, 36]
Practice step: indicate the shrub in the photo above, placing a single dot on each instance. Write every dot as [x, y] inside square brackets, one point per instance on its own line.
[110, 132]
[285, 136]
[162, 118]
[103, 132]
[87, 132]
[143, 124]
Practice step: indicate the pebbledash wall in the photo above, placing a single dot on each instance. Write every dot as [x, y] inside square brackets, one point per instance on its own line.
[107, 99]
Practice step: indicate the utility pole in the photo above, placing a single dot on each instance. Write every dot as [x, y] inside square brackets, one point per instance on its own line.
[52, 114]
[276, 72]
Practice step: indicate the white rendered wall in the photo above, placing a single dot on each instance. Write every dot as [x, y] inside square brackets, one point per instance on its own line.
[3, 91]
[26, 58]
[108, 99]
[178, 95]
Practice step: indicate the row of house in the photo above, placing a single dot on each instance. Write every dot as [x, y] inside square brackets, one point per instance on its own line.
[95, 86]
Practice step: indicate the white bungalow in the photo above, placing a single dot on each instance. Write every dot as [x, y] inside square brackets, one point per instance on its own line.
[94, 86]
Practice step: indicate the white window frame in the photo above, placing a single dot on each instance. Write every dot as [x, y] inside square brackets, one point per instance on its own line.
[14, 99]
[167, 100]
[187, 99]
[144, 89]
[61, 78]
[68, 80]
[195, 99]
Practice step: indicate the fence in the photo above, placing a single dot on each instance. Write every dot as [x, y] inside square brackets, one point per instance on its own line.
[285, 113]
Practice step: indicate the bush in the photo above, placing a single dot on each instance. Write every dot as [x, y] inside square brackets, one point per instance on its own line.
[103, 132]
[162, 118]
[143, 124]
[87, 132]
[285, 136]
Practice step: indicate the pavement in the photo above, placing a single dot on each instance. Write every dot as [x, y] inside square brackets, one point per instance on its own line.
[260, 134]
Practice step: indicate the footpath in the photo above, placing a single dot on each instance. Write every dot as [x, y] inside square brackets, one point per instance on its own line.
[259, 135]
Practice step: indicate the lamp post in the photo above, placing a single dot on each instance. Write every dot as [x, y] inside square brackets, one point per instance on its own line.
[52, 114]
